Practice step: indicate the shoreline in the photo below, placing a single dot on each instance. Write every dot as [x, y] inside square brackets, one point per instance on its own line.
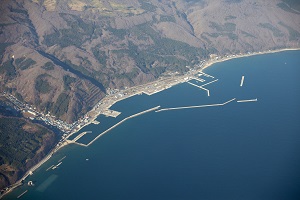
[176, 80]
[247, 55]
[206, 65]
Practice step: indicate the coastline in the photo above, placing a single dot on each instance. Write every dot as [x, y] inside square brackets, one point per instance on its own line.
[208, 64]
[111, 102]
[247, 55]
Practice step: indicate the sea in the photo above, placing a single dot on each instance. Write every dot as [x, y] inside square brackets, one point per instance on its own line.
[239, 150]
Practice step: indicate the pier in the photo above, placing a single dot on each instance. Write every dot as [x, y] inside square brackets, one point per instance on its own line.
[209, 83]
[200, 106]
[199, 79]
[246, 100]
[242, 81]
[206, 75]
[202, 88]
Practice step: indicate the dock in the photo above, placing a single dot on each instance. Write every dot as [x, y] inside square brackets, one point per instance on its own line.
[242, 81]
[199, 79]
[247, 100]
[200, 106]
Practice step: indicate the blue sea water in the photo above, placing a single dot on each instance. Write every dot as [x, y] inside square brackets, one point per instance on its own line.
[236, 151]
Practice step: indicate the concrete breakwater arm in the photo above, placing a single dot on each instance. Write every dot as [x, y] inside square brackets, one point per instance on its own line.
[22, 194]
[242, 81]
[200, 106]
[81, 135]
[247, 100]
[120, 122]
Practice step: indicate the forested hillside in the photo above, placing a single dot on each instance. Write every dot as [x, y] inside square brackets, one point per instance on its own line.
[63, 56]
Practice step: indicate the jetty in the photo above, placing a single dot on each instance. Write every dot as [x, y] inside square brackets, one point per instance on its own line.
[120, 122]
[246, 100]
[199, 79]
[200, 106]
[209, 82]
[201, 86]
[206, 75]
[242, 81]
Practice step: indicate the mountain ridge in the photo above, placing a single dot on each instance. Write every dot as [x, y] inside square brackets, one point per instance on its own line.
[118, 44]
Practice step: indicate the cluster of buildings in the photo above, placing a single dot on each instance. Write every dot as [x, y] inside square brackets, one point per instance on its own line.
[32, 113]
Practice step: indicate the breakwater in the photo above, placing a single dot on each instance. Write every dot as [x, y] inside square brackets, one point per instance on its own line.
[200, 106]
[109, 129]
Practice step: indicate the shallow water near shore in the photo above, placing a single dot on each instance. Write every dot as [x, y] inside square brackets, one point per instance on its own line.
[236, 151]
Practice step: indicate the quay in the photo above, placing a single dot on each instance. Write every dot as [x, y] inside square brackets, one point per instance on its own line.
[247, 100]
[242, 81]
[96, 122]
[150, 92]
[111, 113]
[200, 106]
[120, 122]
